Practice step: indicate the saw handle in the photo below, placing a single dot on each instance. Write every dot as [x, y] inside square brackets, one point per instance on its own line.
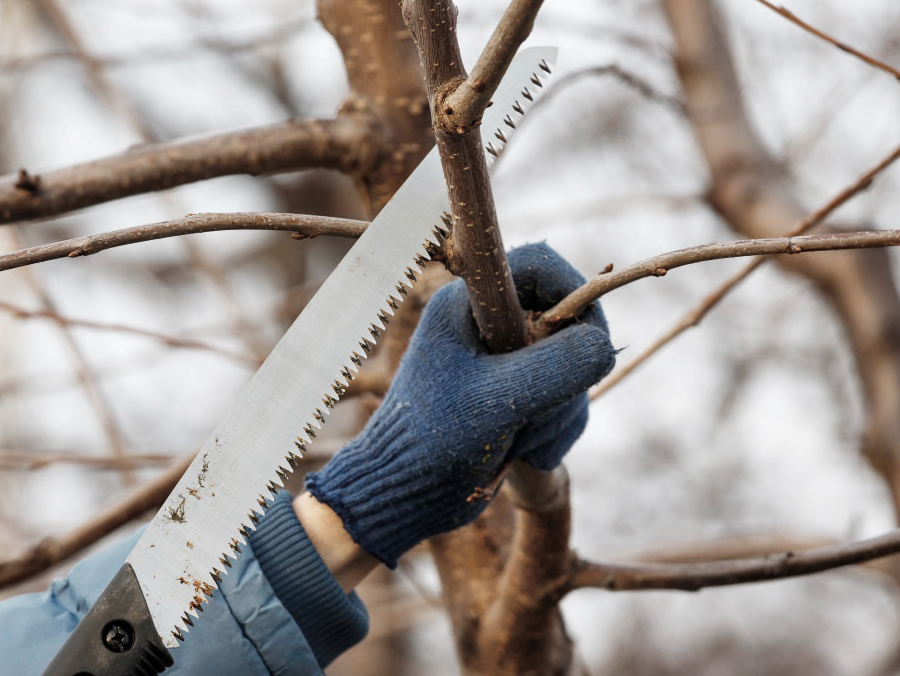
[117, 637]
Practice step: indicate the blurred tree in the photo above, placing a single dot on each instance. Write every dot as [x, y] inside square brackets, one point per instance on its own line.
[671, 125]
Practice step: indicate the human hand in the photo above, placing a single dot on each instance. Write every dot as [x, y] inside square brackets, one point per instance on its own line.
[455, 414]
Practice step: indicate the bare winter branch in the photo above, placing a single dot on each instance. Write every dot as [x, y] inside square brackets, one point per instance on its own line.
[695, 576]
[475, 252]
[51, 551]
[168, 341]
[464, 105]
[303, 227]
[658, 266]
[755, 196]
[793, 18]
[26, 461]
[345, 143]
[696, 315]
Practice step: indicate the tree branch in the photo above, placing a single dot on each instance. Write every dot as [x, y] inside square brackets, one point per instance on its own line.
[463, 106]
[303, 227]
[696, 315]
[695, 576]
[50, 551]
[346, 144]
[754, 196]
[793, 18]
[520, 630]
[167, 340]
[658, 266]
[28, 461]
[475, 249]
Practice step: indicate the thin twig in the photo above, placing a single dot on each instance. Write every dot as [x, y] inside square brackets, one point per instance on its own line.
[659, 266]
[304, 226]
[86, 376]
[793, 18]
[696, 315]
[629, 79]
[180, 51]
[38, 460]
[695, 576]
[52, 550]
[168, 341]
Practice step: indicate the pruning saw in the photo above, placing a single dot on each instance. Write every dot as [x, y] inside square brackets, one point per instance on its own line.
[154, 599]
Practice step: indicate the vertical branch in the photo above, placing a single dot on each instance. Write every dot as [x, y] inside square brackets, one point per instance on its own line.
[503, 621]
[475, 249]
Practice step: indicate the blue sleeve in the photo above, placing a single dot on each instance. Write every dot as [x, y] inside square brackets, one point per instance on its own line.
[245, 629]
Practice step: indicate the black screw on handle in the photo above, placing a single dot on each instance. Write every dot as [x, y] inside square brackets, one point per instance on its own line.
[117, 637]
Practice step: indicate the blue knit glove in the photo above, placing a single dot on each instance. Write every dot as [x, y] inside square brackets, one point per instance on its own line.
[455, 413]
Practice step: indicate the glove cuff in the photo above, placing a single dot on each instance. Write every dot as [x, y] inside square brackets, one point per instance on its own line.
[387, 502]
[331, 620]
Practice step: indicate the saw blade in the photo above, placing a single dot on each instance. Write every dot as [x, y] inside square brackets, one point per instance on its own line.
[199, 530]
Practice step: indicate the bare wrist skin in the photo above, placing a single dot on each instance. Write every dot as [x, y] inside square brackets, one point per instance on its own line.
[348, 562]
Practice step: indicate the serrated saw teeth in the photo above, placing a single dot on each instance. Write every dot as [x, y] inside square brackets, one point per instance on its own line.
[545, 66]
[356, 358]
[318, 415]
[310, 432]
[383, 318]
[536, 80]
[224, 561]
[329, 401]
[527, 94]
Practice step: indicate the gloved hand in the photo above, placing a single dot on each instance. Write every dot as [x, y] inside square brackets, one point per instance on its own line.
[455, 413]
